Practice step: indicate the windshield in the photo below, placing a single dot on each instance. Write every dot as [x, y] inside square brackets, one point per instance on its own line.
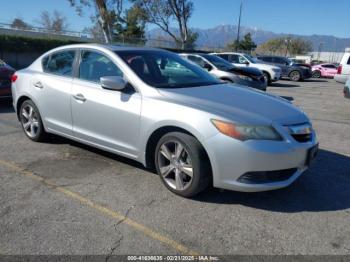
[163, 69]
[220, 63]
[251, 59]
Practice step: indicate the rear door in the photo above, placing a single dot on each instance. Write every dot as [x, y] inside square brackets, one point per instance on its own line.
[282, 63]
[329, 70]
[108, 118]
[52, 90]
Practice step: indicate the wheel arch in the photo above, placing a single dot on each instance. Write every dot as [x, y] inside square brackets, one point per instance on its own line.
[19, 103]
[157, 134]
[267, 73]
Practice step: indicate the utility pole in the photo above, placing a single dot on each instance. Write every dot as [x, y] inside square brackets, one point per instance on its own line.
[239, 25]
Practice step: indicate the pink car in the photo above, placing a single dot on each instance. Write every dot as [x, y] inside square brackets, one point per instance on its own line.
[324, 70]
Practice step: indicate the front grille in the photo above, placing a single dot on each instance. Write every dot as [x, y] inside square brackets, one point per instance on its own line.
[262, 177]
[302, 138]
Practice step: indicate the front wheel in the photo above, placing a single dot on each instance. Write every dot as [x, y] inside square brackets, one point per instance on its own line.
[267, 78]
[31, 121]
[295, 76]
[182, 164]
[316, 74]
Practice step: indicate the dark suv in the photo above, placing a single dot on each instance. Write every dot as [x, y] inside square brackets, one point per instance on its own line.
[295, 72]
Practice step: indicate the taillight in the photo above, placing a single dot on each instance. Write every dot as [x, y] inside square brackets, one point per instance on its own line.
[340, 68]
[14, 78]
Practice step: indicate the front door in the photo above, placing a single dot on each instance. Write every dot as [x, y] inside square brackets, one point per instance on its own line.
[107, 118]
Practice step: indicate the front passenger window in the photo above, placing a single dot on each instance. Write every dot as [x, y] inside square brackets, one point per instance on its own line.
[94, 65]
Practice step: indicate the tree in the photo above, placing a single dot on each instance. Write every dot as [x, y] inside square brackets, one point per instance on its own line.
[55, 22]
[106, 13]
[164, 12]
[20, 24]
[246, 44]
[286, 46]
[132, 24]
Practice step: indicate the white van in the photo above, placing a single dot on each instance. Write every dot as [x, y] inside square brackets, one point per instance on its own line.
[344, 68]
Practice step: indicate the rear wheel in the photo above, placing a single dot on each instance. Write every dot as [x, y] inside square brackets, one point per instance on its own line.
[316, 74]
[182, 164]
[295, 76]
[31, 121]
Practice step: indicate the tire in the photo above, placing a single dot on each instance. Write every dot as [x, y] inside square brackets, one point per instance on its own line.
[267, 78]
[295, 76]
[316, 74]
[192, 159]
[31, 121]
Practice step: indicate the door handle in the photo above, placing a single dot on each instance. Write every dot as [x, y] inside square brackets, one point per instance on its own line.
[38, 85]
[79, 97]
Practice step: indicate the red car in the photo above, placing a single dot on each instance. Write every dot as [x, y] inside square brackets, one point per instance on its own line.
[324, 70]
[6, 73]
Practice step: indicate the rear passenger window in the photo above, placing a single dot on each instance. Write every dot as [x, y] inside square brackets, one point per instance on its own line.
[94, 65]
[60, 63]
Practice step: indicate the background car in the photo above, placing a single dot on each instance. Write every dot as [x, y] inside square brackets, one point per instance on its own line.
[154, 107]
[324, 70]
[293, 71]
[347, 89]
[6, 73]
[271, 73]
[343, 72]
[225, 71]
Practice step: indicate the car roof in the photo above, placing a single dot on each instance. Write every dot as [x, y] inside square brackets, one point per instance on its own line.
[111, 47]
[271, 56]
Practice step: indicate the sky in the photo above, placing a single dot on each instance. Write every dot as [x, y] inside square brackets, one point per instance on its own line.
[305, 17]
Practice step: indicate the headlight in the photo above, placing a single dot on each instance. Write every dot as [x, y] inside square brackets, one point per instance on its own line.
[246, 132]
[276, 70]
[246, 78]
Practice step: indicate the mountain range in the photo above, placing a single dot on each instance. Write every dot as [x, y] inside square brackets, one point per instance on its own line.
[220, 36]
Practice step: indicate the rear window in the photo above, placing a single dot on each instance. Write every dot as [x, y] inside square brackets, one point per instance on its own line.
[60, 63]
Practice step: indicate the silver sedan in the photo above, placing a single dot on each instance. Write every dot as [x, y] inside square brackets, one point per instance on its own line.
[156, 108]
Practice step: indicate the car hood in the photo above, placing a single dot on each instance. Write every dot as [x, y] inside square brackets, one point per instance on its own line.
[263, 66]
[238, 103]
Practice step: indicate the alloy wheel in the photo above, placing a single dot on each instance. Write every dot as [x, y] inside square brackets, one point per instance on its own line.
[175, 165]
[295, 76]
[30, 121]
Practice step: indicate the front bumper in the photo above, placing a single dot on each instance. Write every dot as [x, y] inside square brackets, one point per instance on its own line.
[275, 76]
[231, 159]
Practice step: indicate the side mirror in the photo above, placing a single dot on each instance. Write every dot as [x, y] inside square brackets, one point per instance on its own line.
[207, 67]
[246, 63]
[113, 83]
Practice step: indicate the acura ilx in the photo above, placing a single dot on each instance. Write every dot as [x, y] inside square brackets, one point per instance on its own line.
[152, 106]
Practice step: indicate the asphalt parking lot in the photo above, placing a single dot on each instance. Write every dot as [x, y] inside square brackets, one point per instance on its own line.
[62, 197]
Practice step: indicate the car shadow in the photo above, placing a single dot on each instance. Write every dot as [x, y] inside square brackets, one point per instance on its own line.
[6, 106]
[59, 140]
[283, 85]
[315, 80]
[324, 187]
